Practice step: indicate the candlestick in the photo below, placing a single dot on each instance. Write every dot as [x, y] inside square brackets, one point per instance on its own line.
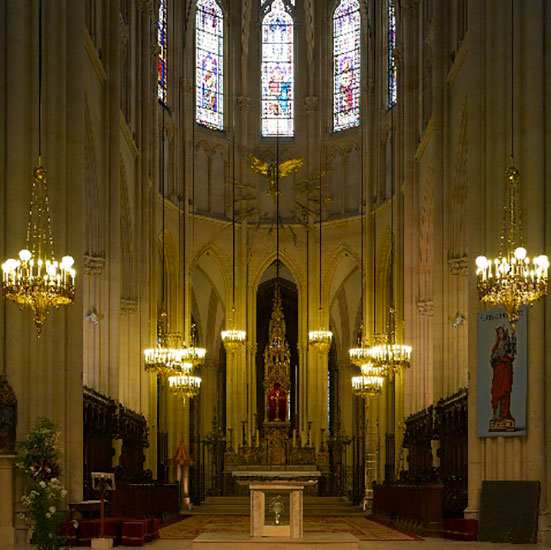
[294, 438]
[257, 438]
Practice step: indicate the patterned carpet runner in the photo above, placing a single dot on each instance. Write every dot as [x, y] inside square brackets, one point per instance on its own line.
[360, 527]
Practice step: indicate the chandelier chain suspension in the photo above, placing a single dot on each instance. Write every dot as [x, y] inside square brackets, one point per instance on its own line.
[37, 280]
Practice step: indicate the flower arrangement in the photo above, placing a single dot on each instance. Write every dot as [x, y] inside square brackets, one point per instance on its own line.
[44, 493]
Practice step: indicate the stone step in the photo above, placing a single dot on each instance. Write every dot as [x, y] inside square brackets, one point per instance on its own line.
[313, 506]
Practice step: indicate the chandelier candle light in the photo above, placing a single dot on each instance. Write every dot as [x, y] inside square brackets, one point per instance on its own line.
[37, 280]
[184, 384]
[370, 382]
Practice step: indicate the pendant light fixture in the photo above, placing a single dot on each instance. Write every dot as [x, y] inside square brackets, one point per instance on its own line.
[388, 353]
[166, 356]
[512, 279]
[360, 354]
[193, 353]
[320, 339]
[37, 280]
[183, 383]
[233, 338]
[371, 380]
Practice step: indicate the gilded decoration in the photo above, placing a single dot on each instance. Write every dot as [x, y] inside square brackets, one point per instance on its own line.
[277, 364]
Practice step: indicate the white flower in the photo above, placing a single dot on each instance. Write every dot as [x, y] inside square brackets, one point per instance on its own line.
[63, 492]
[52, 509]
[42, 484]
[48, 515]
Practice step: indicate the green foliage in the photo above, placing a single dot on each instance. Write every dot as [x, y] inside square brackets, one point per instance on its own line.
[44, 493]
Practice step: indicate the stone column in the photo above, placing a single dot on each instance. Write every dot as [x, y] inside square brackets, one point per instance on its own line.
[7, 528]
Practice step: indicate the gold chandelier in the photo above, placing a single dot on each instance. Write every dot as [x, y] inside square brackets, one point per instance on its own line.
[360, 355]
[233, 339]
[165, 358]
[194, 354]
[389, 355]
[183, 383]
[37, 280]
[167, 355]
[371, 381]
[387, 352]
[512, 279]
[321, 338]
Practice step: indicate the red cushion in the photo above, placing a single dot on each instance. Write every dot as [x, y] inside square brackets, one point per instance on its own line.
[133, 533]
[156, 528]
[87, 530]
[69, 531]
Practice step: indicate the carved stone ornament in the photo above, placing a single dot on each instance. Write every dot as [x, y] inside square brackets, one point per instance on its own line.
[243, 102]
[425, 308]
[128, 306]
[459, 266]
[146, 6]
[311, 104]
[93, 265]
[8, 416]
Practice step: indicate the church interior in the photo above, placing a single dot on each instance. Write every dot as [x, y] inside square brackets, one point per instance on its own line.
[294, 244]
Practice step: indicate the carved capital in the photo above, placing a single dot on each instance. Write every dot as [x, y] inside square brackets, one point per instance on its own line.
[243, 102]
[425, 308]
[459, 266]
[311, 104]
[93, 265]
[408, 8]
[128, 306]
[146, 6]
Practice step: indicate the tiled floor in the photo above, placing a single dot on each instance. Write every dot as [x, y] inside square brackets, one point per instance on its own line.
[427, 544]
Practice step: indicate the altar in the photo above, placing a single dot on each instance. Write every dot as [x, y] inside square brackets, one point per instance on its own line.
[277, 501]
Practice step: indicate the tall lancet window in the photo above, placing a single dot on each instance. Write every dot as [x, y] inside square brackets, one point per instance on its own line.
[346, 65]
[392, 69]
[277, 70]
[209, 65]
[162, 86]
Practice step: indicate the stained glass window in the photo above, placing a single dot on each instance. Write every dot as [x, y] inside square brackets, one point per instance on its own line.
[346, 65]
[209, 65]
[392, 70]
[162, 42]
[277, 71]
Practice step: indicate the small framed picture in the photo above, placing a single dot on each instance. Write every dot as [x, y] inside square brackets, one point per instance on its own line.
[103, 481]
